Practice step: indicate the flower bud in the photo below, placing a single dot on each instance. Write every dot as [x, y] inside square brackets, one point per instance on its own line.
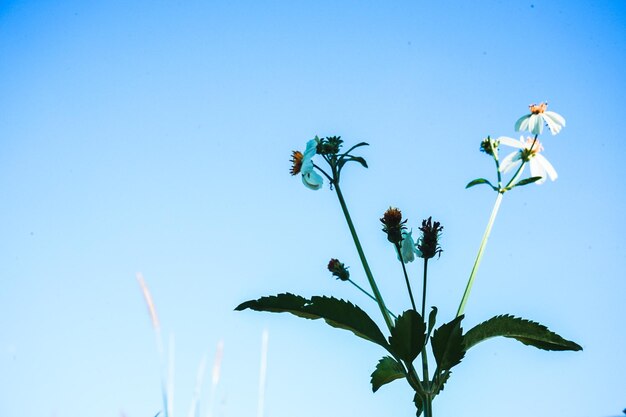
[489, 146]
[428, 243]
[329, 145]
[393, 225]
[338, 270]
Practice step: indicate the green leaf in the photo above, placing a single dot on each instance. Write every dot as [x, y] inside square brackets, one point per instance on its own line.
[432, 318]
[408, 335]
[447, 343]
[525, 181]
[387, 370]
[441, 379]
[526, 331]
[281, 303]
[419, 404]
[358, 145]
[337, 313]
[345, 315]
[360, 160]
[479, 181]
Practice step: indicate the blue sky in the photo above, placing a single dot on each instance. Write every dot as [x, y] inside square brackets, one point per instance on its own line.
[155, 137]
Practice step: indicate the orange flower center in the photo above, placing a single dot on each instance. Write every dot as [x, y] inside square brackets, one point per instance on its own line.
[296, 162]
[538, 108]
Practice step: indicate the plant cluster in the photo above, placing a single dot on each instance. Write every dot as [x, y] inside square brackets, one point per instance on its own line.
[410, 333]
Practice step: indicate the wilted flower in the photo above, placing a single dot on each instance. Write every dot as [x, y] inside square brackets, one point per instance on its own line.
[539, 116]
[428, 243]
[529, 151]
[407, 248]
[393, 225]
[338, 270]
[303, 163]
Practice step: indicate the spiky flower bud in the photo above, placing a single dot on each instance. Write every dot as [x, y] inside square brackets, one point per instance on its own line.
[489, 146]
[428, 243]
[338, 269]
[329, 145]
[393, 225]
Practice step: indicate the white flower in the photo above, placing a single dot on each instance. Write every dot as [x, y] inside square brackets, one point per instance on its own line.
[539, 116]
[529, 151]
[303, 164]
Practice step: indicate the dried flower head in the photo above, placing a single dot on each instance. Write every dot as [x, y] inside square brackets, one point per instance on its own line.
[393, 225]
[428, 243]
[338, 269]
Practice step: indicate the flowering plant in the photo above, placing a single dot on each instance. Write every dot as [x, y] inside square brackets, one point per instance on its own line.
[411, 332]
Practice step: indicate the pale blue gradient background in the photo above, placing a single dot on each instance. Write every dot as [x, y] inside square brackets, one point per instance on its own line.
[155, 137]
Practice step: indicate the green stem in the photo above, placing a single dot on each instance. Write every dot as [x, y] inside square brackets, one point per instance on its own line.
[424, 358]
[479, 256]
[428, 405]
[406, 276]
[368, 294]
[359, 248]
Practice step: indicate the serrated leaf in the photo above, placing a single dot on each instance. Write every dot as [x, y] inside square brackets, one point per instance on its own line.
[419, 404]
[479, 181]
[337, 313]
[447, 344]
[442, 378]
[526, 331]
[432, 319]
[387, 370]
[526, 181]
[345, 315]
[408, 335]
[281, 303]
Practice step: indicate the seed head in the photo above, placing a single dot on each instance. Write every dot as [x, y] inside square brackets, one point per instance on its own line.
[428, 243]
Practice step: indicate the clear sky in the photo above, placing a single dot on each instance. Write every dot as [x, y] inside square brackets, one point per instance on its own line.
[155, 137]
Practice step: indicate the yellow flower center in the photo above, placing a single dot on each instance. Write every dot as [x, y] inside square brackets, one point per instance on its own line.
[296, 162]
[538, 108]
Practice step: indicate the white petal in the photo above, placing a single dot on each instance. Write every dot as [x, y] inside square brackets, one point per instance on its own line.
[536, 170]
[535, 124]
[510, 161]
[311, 149]
[556, 117]
[312, 180]
[514, 143]
[522, 123]
[547, 166]
[553, 123]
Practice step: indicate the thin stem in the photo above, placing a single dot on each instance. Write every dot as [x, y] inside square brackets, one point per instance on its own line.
[406, 276]
[424, 358]
[324, 172]
[359, 248]
[479, 256]
[368, 294]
